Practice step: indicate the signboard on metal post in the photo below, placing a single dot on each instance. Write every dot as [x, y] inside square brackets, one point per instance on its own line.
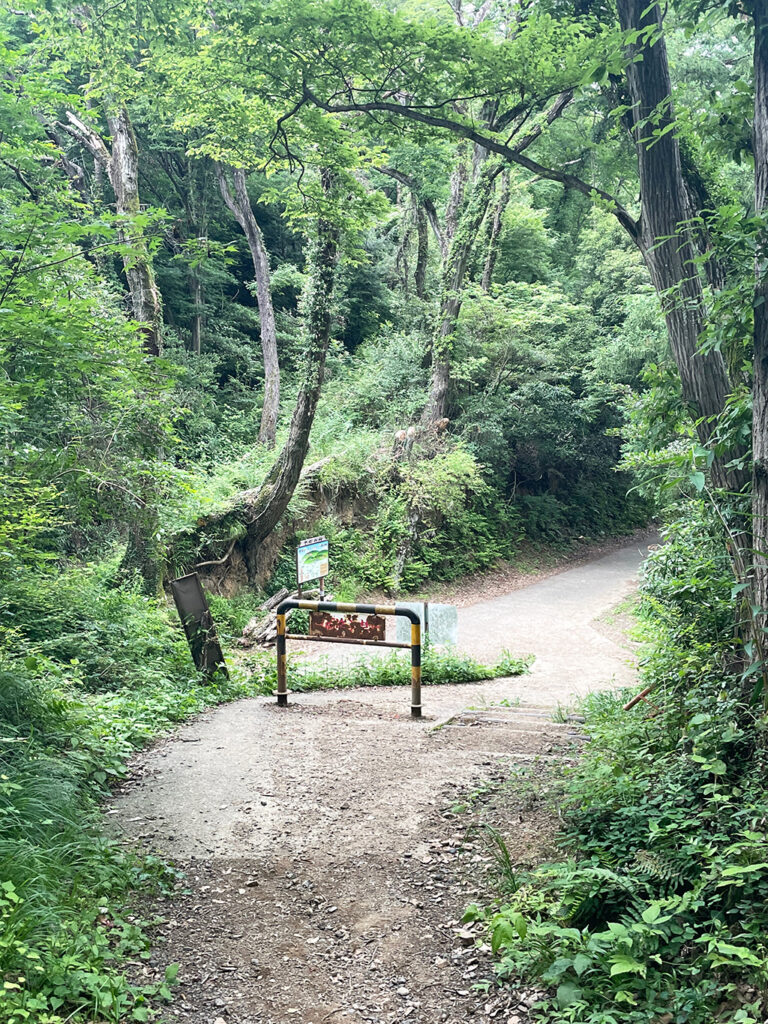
[312, 560]
[441, 623]
[351, 627]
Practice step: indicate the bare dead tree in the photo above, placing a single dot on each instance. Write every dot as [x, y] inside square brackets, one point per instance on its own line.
[239, 204]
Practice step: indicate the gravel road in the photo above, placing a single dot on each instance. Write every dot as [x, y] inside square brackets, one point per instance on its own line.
[326, 869]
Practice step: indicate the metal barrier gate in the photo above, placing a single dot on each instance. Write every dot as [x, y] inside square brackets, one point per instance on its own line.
[364, 609]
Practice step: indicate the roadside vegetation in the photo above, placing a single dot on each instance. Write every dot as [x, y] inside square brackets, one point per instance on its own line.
[436, 281]
[657, 909]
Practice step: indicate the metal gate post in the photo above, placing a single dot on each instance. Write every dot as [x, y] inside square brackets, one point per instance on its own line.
[282, 690]
[415, 669]
[364, 609]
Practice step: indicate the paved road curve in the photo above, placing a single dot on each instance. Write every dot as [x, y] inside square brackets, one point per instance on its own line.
[560, 620]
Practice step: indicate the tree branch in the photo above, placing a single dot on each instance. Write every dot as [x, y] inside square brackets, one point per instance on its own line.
[552, 114]
[429, 206]
[510, 153]
[21, 179]
[88, 137]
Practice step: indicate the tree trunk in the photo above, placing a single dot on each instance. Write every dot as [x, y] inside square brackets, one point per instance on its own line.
[196, 294]
[664, 238]
[143, 552]
[454, 270]
[123, 170]
[259, 511]
[494, 233]
[401, 256]
[240, 207]
[422, 248]
[122, 167]
[760, 384]
[456, 196]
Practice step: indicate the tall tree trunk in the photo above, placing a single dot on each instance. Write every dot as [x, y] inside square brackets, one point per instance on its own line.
[196, 294]
[123, 170]
[259, 511]
[422, 248]
[663, 236]
[122, 167]
[406, 229]
[458, 185]
[454, 270]
[239, 205]
[760, 385]
[143, 553]
[494, 233]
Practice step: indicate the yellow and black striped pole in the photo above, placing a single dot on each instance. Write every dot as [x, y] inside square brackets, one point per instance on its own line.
[282, 690]
[358, 609]
[415, 668]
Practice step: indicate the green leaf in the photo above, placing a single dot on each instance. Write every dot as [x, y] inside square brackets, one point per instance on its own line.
[697, 480]
[738, 954]
[502, 935]
[567, 994]
[651, 913]
[581, 963]
[624, 964]
[746, 869]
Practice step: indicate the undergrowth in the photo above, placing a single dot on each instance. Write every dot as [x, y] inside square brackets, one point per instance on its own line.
[657, 910]
[438, 666]
[91, 671]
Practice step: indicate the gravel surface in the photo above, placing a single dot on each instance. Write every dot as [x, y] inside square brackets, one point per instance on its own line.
[328, 862]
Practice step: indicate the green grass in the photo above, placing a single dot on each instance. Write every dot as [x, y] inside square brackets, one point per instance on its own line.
[438, 667]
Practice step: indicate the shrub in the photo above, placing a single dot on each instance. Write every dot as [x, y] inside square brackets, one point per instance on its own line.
[659, 910]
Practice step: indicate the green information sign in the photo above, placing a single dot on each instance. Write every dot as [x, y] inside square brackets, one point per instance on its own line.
[312, 559]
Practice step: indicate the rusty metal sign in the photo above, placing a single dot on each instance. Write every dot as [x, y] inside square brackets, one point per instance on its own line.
[197, 620]
[351, 627]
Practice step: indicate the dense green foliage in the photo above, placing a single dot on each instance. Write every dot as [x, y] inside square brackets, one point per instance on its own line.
[428, 214]
[660, 905]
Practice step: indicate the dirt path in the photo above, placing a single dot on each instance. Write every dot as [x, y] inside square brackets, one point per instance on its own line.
[326, 876]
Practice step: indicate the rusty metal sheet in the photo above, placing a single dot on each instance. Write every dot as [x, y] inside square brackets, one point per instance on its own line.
[349, 627]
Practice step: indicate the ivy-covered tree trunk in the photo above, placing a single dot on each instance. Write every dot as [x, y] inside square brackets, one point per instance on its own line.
[196, 295]
[760, 383]
[121, 164]
[494, 233]
[454, 271]
[422, 248]
[239, 205]
[404, 245]
[663, 235]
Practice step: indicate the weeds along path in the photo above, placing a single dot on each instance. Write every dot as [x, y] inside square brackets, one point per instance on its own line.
[322, 854]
